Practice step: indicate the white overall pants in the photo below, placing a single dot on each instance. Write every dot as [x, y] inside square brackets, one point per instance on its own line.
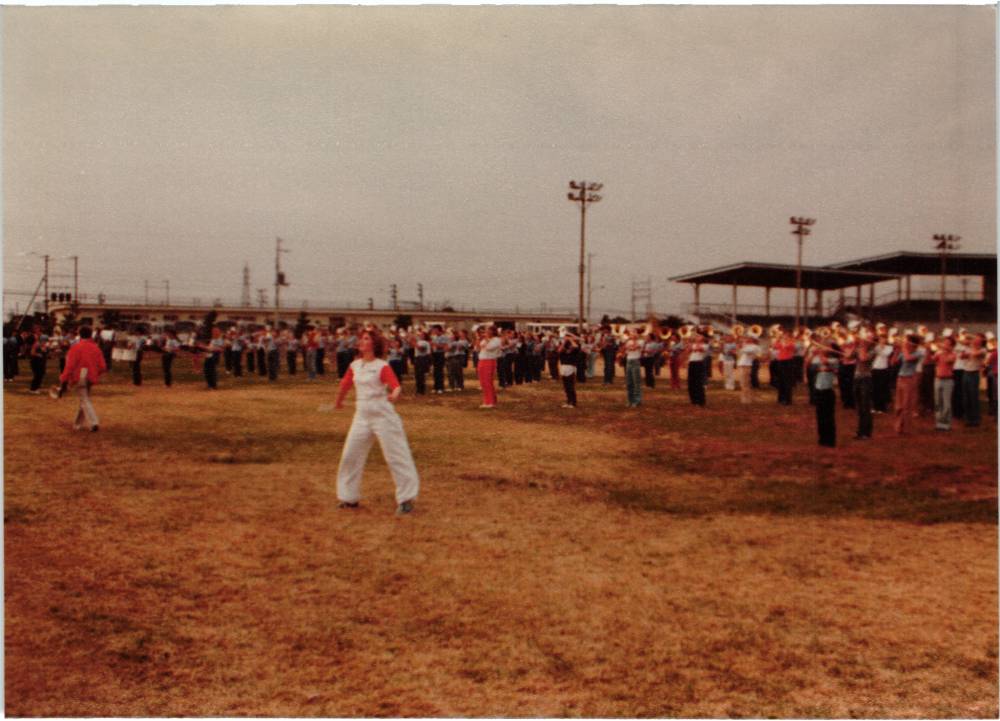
[379, 419]
[728, 366]
[86, 410]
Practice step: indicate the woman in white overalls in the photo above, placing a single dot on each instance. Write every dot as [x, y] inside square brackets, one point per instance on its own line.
[374, 416]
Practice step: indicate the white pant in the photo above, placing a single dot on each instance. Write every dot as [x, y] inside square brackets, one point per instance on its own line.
[376, 419]
[86, 410]
[727, 373]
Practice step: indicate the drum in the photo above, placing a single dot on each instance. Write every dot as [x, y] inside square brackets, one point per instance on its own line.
[123, 354]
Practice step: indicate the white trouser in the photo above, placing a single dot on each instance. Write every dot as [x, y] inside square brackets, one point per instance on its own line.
[727, 373]
[376, 419]
[86, 410]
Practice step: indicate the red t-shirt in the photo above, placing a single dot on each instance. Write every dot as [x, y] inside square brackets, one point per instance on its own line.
[944, 364]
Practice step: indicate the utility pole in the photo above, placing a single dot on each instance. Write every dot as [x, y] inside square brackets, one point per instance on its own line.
[590, 280]
[394, 295]
[420, 294]
[46, 284]
[944, 243]
[146, 285]
[245, 300]
[279, 280]
[262, 297]
[166, 285]
[76, 277]
[642, 290]
[586, 193]
[801, 230]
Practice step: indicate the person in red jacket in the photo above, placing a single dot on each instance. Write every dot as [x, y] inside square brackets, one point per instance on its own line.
[84, 366]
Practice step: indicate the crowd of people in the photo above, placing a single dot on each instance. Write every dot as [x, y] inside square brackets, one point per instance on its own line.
[876, 369]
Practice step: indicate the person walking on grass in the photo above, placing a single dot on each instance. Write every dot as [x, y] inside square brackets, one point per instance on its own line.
[631, 352]
[84, 366]
[374, 417]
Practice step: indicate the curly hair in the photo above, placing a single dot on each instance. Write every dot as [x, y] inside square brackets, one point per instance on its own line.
[378, 341]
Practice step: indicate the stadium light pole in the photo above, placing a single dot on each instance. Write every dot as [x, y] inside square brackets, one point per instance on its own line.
[801, 230]
[586, 194]
[944, 243]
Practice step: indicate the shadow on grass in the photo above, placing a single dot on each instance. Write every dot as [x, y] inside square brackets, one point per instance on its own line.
[785, 498]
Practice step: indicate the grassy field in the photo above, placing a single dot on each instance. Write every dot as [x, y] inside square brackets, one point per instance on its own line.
[189, 559]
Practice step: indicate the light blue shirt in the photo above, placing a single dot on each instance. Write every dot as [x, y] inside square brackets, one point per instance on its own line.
[909, 368]
[824, 378]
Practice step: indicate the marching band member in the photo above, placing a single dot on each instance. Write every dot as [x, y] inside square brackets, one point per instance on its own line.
[439, 344]
[394, 355]
[39, 355]
[727, 360]
[944, 383]
[552, 355]
[84, 366]
[138, 342]
[608, 348]
[321, 345]
[906, 384]
[958, 396]
[975, 356]
[925, 380]
[453, 359]
[250, 346]
[882, 374]
[589, 349]
[676, 355]
[784, 350]
[862, 353]
[846, 371]
[631, 352]
[489, 352]
[273, 354]
[651, 349]
[312, 353]
[236, 348]
[826, 400]
[213, 352]
[374, 417]
[291, 352]
[569, 359]
[749, 351]
[421, 360]
[697, 351]
[170, 347]
[261, 354]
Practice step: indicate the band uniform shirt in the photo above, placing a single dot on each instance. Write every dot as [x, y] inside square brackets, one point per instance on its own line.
[826, 373]
[747, 355]
[909, 367]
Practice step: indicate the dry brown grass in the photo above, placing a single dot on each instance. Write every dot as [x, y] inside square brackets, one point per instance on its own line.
[189, 559]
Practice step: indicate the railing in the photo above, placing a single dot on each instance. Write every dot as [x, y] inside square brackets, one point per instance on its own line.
[295, 306]
[728, 310]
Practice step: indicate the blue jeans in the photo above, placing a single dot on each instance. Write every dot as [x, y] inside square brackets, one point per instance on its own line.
[633, 381]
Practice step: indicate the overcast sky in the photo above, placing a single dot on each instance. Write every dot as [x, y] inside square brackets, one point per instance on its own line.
[435, 144]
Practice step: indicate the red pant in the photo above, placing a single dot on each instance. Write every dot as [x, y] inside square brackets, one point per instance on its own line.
[486, 370]
[675, 371]
[906, 403]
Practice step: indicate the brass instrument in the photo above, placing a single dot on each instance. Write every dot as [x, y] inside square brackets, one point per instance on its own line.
[755, 331]
[737, 330]
[685, 331]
